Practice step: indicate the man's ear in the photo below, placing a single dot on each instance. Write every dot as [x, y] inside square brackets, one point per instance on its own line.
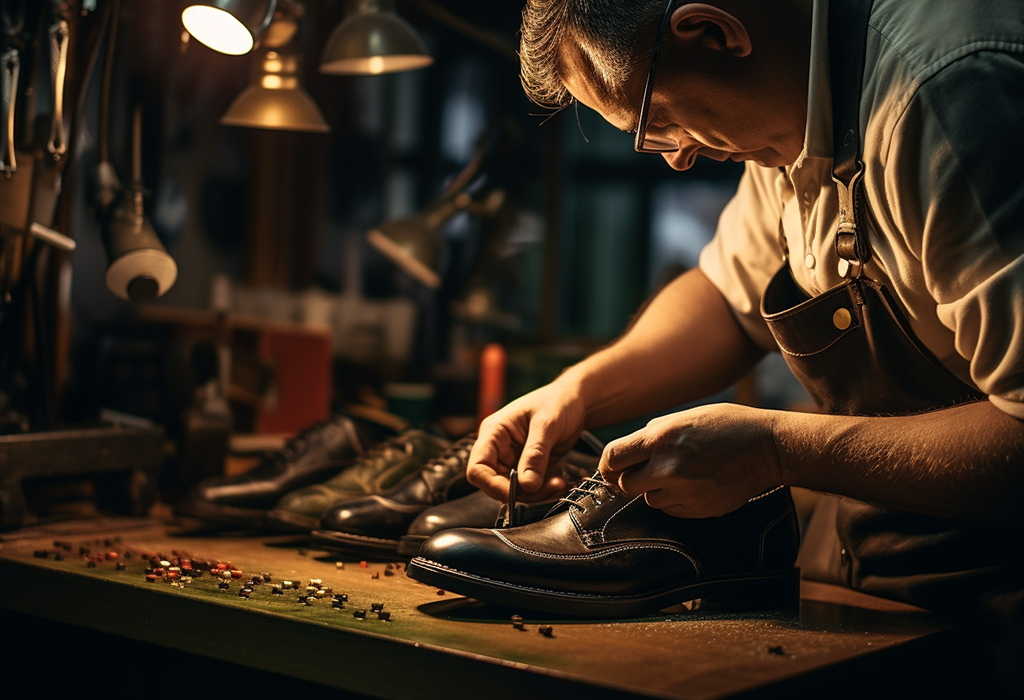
[711, 27]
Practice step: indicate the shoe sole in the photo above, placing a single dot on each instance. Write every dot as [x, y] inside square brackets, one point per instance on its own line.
[769, 591]
[409, 545]
[291, 523]
[231, 516]
[346, 543]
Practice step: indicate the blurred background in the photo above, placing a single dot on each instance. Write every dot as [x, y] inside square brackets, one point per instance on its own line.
[262, 239]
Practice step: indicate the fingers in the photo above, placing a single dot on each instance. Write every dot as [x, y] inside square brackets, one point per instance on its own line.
[486, 468]
[533, 463]
[624, 453]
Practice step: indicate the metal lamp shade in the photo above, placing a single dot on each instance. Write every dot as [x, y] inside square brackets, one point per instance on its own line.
[275, 98]
[229, 26]
[140, 268]
[412, 243]
[373, 40]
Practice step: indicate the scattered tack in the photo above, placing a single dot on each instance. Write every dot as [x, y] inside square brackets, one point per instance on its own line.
[384, 615]
[359, 614]
[339, 565]
[546, 630]
[375, 575]
[376, 607]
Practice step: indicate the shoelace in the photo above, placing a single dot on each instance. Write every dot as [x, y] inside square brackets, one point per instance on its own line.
[460, 451]
[590, 486]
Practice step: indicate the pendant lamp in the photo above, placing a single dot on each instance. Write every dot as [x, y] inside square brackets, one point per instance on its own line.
[372, 40]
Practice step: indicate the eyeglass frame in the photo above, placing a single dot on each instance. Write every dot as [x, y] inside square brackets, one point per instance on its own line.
[645, 106]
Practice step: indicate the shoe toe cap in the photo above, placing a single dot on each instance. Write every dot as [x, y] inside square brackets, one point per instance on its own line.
[309, 502]
[372, 516]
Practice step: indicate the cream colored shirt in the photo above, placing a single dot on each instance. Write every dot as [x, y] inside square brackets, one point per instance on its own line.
[942, 126]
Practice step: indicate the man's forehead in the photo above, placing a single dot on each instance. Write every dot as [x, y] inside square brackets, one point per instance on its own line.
[583, 77]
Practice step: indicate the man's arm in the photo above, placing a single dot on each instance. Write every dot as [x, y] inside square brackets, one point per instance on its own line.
[684, 345]
[964, 462]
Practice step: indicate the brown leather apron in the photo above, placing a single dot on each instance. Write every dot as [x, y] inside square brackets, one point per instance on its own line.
[855, 353]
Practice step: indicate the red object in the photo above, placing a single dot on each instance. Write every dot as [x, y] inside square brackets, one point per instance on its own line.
[362, 564]
[235, 573]
[493, 363]
[111, 556]
[222, 567]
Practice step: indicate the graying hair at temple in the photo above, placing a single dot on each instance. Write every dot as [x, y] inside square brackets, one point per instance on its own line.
[613, 34]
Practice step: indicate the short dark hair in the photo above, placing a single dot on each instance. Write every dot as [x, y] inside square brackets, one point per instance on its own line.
[614, 34]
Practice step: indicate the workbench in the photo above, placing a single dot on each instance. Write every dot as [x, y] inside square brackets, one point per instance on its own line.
[436, 644]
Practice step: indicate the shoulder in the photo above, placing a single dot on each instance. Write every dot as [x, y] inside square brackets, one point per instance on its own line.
[917, 48]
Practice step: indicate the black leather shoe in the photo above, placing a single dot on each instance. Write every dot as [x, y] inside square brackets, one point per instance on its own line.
[316, 454]
[603, 554]
[376, 471]
[372, 525]
[480, 510]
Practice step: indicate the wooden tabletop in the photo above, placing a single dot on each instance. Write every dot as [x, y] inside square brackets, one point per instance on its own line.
[453, 646]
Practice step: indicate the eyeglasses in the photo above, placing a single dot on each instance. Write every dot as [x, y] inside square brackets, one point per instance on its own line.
[643, 142]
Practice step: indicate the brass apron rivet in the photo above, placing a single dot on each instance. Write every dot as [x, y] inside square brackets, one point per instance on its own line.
[842, 318]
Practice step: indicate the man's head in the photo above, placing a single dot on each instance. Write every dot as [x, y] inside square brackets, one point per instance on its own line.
[730, 78]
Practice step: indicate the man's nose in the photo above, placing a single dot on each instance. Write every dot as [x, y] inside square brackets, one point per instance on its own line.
[679, 160]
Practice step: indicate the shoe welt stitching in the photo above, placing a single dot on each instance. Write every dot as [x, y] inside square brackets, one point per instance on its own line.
[602, 553]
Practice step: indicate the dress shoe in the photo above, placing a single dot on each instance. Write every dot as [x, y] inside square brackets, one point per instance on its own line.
[605, 554]
[373, 525]
[380, 469]
[315, 454]
[480, 510]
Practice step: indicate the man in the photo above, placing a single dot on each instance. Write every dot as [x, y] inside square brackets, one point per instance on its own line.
[942, 467]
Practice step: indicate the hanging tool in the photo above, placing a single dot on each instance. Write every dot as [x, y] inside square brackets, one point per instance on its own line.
[59, 37]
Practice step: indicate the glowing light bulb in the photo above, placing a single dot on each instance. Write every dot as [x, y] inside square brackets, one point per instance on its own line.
[217, 29]
[376, 65]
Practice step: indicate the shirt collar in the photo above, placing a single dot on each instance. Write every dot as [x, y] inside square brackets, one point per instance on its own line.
[818, 133]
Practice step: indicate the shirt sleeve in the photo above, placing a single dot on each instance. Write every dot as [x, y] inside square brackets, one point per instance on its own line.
[960, 139]
[745, 252]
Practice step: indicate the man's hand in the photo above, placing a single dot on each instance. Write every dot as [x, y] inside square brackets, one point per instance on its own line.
[700, 463]
[531, 433]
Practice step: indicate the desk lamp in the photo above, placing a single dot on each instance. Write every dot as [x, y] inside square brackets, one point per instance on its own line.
[229, 26]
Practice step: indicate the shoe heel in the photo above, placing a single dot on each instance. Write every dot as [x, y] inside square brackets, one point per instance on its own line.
[775, 592]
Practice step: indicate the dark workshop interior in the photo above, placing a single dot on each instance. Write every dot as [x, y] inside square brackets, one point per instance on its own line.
[215, 259]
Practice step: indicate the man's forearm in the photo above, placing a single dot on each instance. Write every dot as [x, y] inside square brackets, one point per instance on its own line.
[685, 345]
[966, 461]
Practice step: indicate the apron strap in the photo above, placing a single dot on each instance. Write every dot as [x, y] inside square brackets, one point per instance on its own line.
[847, 35]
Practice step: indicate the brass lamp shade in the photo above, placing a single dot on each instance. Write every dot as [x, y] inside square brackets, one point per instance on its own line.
[275, 98]
[229, 26]
[373, 40]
